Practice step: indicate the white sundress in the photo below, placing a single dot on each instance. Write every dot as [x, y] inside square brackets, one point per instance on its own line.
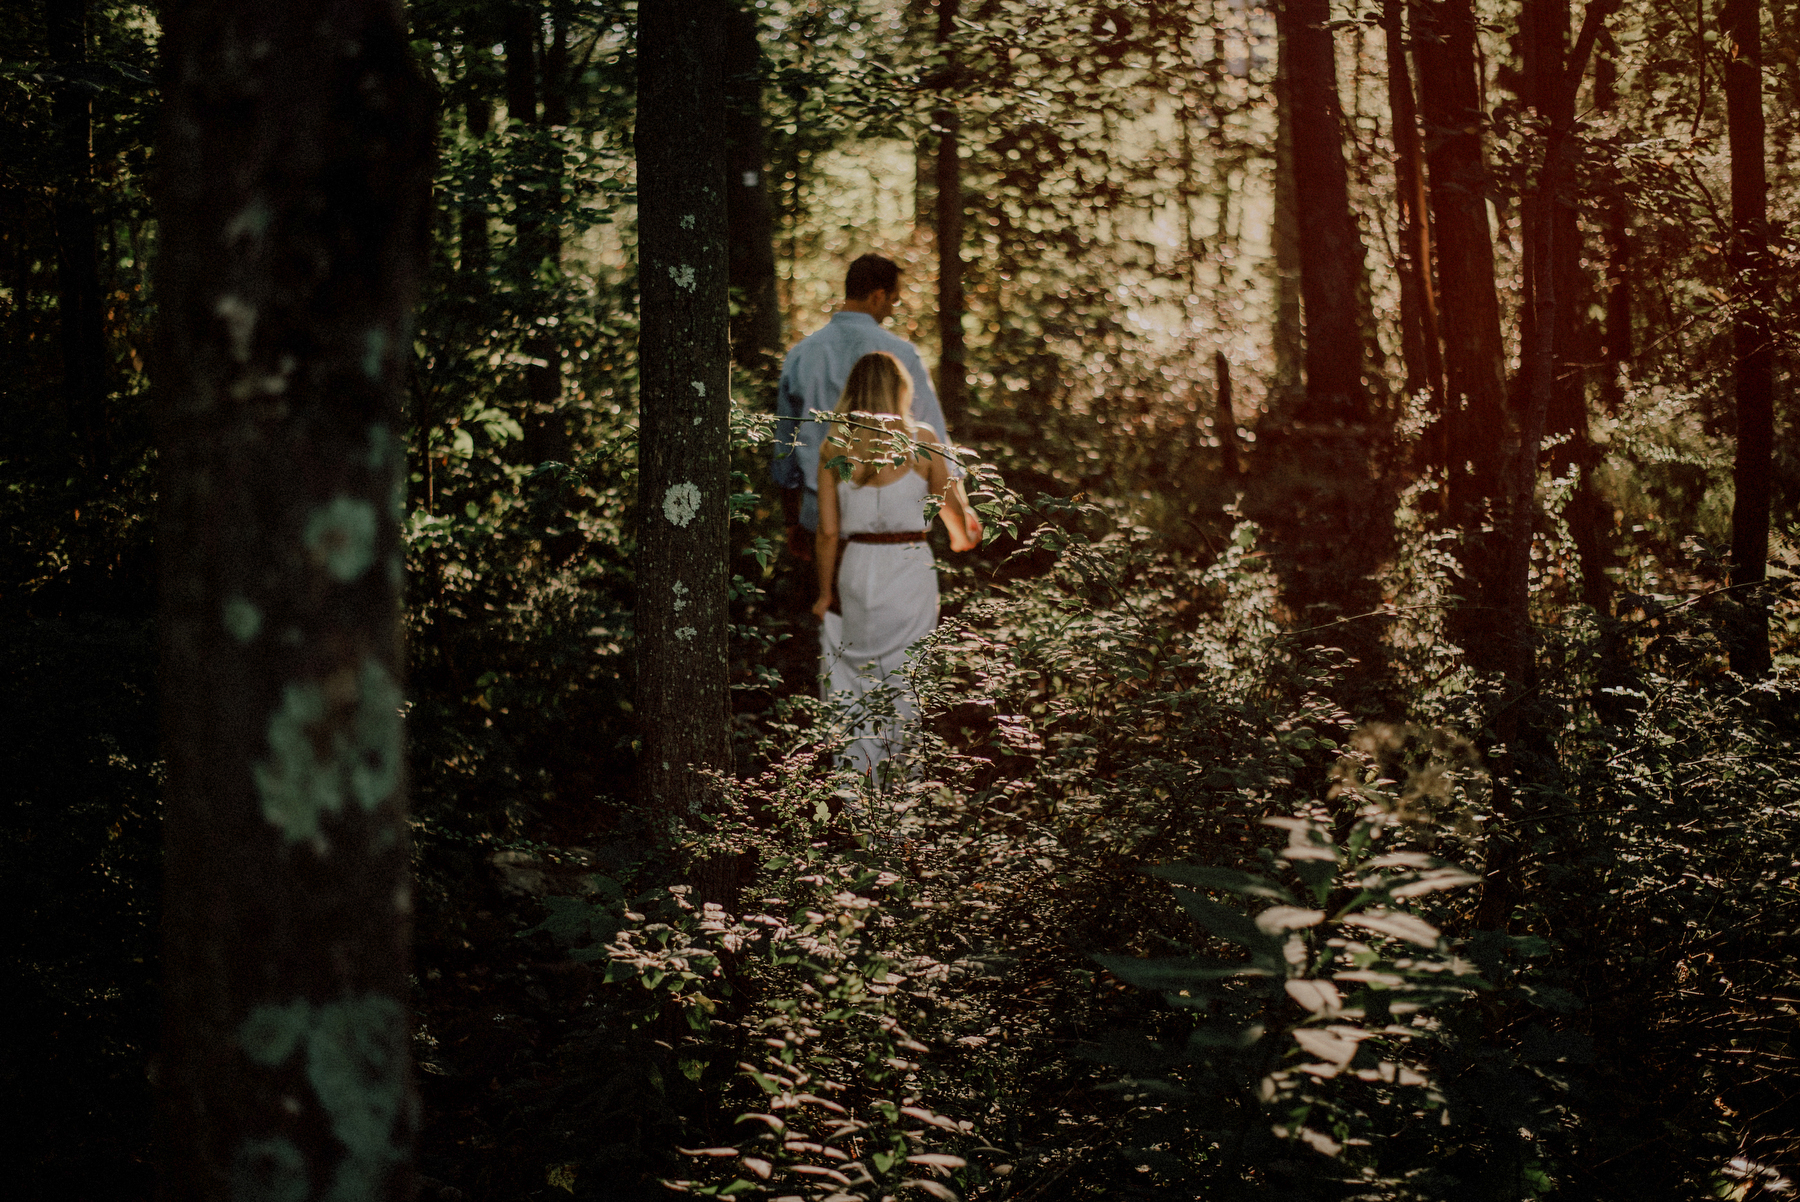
[889, 595]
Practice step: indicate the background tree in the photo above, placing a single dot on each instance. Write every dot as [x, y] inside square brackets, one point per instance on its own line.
[684, 711]
[756, 331]
[77, 268]
[293, 218]
[953, 370]
[1451, 108]
[1753, 355]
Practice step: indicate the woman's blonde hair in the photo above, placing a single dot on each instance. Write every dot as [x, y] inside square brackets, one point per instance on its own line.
[877, 385]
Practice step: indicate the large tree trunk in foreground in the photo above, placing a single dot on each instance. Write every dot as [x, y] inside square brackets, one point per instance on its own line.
[683, 709]
[756, 331]
[1752, 472]
[294, 191]
[953, 368]
[77, 255]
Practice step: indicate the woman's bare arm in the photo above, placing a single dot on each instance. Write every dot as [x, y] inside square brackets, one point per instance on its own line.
[958, 515]
[825, 548]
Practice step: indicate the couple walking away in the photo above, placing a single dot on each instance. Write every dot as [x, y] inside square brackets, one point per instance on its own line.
[855, 394]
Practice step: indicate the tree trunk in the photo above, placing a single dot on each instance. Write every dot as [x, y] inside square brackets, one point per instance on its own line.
[1421, 349]
[953, 370]
[472, 222]
[1545, 36]
[1474, 381]
[1289, 344]
[1753, 470]
[1331, 253]
[756, 332]
[520, 42]
[1226, 416]
[293, 213]
[79, 311]
[1616, 340]
[1318, 491]
[683, 708]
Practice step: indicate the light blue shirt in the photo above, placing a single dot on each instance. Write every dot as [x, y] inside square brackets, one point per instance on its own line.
[812, 380]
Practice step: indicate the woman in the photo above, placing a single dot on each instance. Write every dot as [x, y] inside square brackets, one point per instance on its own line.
[874, 519]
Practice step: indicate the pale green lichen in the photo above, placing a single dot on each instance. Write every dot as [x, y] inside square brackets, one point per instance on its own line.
[271, 1033]
[252, 221]
[375, 344]
[356, 1055]
[298, 786]
[240, 324]
[269, 1170]
[375, 763]
[243, 621]
[681, 502]
[341, 535]
[294, 784]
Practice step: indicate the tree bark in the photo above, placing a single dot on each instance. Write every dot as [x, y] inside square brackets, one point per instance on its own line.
[756, 331]
[1421, 349]
[1331, 253]
[1752, 471]
[1225, 416]
[1474, 380]
[1289, 342]
[472, 222]
[1545, 38]
[531, 76]
[293, 210]
[1616, 339]
[79, 312]
[683, 707]
[953, 369]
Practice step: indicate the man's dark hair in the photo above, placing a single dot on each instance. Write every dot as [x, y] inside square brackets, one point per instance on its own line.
[869, 273]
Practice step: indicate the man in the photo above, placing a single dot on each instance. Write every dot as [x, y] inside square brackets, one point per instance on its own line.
[813, 378]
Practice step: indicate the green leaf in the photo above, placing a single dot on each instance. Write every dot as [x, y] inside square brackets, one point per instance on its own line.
[1223, 921]
[1228, 879]
[1174, 972]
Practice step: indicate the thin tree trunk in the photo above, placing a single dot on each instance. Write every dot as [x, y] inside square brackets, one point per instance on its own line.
[293, 212]
[1331, 254]
[1420, 346]
[1474, 381]
[472, 222]
[1226, 416]
[953, 371]
[683, 708]
[79, 312]
[756, 332]
[1544, 28]
[1752, 472]
[1616, 344]
[1289, 342]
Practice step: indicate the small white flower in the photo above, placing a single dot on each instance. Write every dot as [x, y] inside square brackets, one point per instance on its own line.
[681, 503]
[683, 276]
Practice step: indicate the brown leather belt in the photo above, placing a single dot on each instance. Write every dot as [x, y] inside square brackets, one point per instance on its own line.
[887, 536]
[872, 536]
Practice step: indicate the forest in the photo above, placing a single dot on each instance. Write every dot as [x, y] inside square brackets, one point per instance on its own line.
[1361, 759]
